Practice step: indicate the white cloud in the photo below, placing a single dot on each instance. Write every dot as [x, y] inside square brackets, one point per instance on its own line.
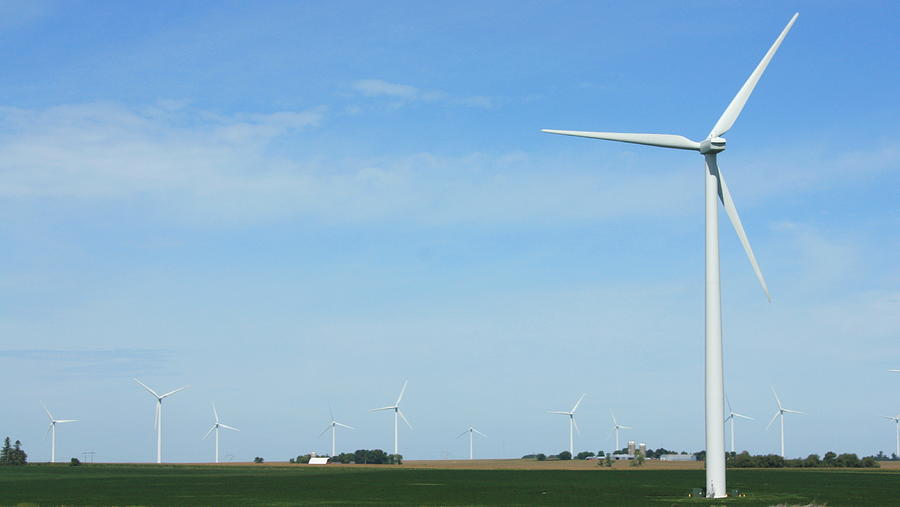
[401, 93]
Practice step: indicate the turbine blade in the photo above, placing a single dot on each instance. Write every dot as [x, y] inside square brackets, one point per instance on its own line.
[773, 419]
[49, 415]
[480, 433]
[49, 429]
[401, 393]
[147, 388]
[404, 418]
[793, 411]
[331, 412]
[661, 140]
[227, 427]
[65, 420]
[730, 416]
[615, 423]
[578, 403]
[777, 400]
[325, 431]
[208, 432]
[170, 393]
[558, 412]
[625, 427]
[737, 103]
[383, 408]
[463, 433]
[344, 426]
[574, 423]
[743, 416]
[730, 410]
[215, 412]
[731, 211]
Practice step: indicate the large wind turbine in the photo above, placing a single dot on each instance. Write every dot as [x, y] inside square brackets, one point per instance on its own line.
[573, 426]
[780, 412]
[216, 427]
[333, 427]
[396, 408]
[470, 431]
[731, 415]
[157, 421]
[715, 186]
[52, 431]
[616, 428]
[896, 420]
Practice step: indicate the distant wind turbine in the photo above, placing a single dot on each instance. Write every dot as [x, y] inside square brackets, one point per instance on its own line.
[471, 431]
[616, 428]
[731, 415]
[896, 420]
[157, 420]
[215, 427]
[396, 408]
[780, 412]
[333, 427]
[573, 426]
[716, 189]
[52, 431]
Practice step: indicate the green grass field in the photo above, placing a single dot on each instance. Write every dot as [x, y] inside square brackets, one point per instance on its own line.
[182, 485]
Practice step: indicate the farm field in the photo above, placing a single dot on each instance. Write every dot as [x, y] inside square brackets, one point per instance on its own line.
[250, 485]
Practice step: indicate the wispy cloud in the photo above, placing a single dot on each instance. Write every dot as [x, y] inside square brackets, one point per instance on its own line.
[95, 363]
[401, 93]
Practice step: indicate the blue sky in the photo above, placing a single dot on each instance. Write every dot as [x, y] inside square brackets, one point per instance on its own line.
[296, 205]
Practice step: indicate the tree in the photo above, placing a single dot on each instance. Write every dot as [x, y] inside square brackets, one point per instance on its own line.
[565, 455]
[258, 460]
[700, 455]
[608, 461]
[584, 455]
[74, 462]
[828, 459]
[541, 457]
[12, 455]
[6, 453]
[601, 453]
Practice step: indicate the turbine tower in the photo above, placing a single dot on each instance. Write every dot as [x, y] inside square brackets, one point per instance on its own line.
[470, 431]
[157, 421]
[731, 415]
[896, 420]
[616, 428]
[780, 412]
[52, 431]
[396, 408]
[333, 428]
[216, 427]
[715, 187]
[573, 426]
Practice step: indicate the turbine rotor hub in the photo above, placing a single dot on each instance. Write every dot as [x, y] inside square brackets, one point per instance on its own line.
[712, 145]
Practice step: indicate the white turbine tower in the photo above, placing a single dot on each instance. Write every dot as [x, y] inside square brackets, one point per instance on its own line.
[396, 408]
[896, 420]
[52, 431]
[780, 412]
[471, 432]
[616, 428]
[715, 187]
[731, 415]
[573, 426]
[333, 427]
[157, 421]
[216, 427]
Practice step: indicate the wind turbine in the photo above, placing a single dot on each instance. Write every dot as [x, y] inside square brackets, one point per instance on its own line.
[396, 408]
[470, 431]
[616, 428]
[216, 427]
[731, 415]
[573, 426]
[896, 420]
[780, 412]
[52, 431]
[157, 421]
[333, 428]
[715, 186]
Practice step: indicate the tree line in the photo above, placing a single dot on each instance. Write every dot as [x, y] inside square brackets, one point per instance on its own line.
[12, 454]
[361, 456]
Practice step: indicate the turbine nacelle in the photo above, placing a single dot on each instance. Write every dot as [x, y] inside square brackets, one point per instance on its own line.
[712, 145]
